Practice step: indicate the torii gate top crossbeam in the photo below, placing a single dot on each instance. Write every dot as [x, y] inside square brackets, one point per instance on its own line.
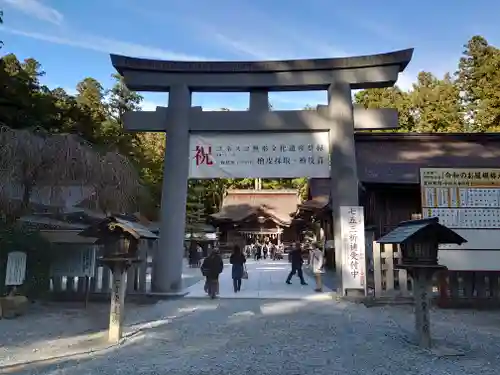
[360, 72]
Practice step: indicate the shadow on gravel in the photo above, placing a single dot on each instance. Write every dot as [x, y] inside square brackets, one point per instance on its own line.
[63, 321]
[209, 334]
[69, 319]
[161, 329]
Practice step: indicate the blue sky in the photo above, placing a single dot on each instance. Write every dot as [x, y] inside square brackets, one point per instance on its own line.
[72, 39]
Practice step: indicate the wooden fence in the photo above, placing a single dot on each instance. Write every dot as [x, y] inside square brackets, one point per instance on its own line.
[388, 282]
[81, 287]
[451, 289]
[469, 289]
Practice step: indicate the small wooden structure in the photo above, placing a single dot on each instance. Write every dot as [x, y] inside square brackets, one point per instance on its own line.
[120, 243]
[419, 241]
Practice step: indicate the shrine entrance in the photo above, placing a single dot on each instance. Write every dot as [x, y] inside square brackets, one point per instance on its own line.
[221, 144]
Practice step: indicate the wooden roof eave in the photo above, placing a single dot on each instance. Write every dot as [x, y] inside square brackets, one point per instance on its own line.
[265, 211]
[315, 210]
[275, 218]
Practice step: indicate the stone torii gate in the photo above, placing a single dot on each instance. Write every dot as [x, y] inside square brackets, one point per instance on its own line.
[180, 78]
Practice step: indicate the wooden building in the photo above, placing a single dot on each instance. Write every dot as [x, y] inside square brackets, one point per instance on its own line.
[248, 216]
[389, 173]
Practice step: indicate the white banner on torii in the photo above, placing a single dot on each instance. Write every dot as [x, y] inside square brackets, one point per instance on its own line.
[259, 155]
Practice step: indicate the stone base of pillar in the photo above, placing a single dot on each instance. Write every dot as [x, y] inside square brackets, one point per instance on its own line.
[355, 293]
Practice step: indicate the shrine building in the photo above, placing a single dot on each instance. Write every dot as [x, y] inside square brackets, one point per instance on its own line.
[249, 216]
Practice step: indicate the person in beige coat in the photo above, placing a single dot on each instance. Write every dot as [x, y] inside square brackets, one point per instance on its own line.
[317, 266]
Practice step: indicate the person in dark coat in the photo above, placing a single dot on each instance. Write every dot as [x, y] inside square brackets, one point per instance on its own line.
[258, 251]
[296, 260]
[212, 267]
[238, 260]
[192, 254]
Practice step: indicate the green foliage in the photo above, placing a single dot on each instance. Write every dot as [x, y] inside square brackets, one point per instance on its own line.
[13, 238]
[195, 213]
[478, 79]
[435, 104]
[467, 101]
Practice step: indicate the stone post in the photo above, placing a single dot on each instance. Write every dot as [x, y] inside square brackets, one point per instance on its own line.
[343, 171]
[167, 263]
[117, 313]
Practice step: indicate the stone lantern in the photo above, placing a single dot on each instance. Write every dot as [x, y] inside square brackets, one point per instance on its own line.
[419, 242]
[119, 240]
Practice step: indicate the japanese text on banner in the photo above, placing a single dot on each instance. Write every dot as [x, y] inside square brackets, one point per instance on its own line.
[353, 247]
[458, 177]
[255, 155]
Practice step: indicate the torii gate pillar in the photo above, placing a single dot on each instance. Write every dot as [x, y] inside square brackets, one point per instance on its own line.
[167, 264]
[179, 119]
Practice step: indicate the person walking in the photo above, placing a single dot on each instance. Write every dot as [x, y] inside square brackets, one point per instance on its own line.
[192, 255]
[297, 261]
[199, 255]
[248, 250]
[211, 268]
[238, 260]
[258, 251]
[317, 266]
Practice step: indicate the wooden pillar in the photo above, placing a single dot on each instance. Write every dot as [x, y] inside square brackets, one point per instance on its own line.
[422, 319]
[117, 313]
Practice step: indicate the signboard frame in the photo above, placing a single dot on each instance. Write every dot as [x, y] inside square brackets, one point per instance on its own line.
[466, 200]
[445, 196]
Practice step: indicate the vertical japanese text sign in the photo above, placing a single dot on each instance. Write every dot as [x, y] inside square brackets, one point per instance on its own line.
[352, 228]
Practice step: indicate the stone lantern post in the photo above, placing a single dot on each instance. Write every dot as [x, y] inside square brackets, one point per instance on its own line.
[419, 241]
[120, 250]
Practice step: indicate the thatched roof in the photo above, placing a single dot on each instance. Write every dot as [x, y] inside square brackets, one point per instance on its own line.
[278, 205]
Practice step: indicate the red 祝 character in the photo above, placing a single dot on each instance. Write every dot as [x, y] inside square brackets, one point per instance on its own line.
[202, 156]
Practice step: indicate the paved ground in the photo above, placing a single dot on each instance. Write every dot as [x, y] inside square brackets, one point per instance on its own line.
[247, 336]
[266, 279]
[190, 276]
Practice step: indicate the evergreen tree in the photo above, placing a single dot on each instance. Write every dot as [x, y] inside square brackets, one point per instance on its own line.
[478, 79]
[195, 210]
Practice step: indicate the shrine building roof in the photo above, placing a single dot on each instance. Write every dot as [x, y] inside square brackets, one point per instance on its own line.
[396, 158]
[240, 204]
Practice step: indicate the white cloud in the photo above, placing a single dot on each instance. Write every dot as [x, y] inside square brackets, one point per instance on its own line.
[252, 33]
[102, 44]
[36, 9]
[148, 105]
[406, 80]
[244, 48]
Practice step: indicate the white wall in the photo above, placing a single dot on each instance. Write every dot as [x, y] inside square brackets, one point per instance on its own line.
[470, 260]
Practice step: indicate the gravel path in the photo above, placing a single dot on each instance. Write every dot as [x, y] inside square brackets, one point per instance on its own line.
[195, 336]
